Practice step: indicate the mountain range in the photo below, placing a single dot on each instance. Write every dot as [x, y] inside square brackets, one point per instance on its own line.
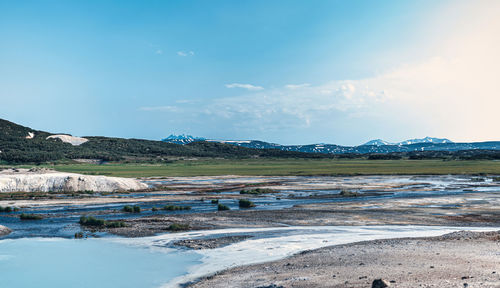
[20, 144]
[380, 142]
[374, 146]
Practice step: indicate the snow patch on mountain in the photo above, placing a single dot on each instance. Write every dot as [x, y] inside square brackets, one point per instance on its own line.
[182, 139]
[378, 142]
[75, 141]
[425, 140]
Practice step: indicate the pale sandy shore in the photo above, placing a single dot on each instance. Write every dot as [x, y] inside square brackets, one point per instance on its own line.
[461, 259]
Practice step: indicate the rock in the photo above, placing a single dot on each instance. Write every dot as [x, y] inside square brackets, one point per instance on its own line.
[4, 230]
[380, 283]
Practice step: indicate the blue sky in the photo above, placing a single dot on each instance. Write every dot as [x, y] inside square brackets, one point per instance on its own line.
[291, 72]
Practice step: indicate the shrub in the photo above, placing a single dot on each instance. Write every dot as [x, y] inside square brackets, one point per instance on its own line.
[176, 208]
[178, 227]
[222, 207]
[24, 216]
[78, 235]
[132, 209]
[114, 224]
[257, 191]
[245, 203]
[94, 222]
[347, 193]
[128, 209]
[91, 221]
[154, 209]
[215, 201]
[6, 209]
[137, 209]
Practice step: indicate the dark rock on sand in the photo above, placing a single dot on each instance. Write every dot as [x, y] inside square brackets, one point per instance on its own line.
[380, 283]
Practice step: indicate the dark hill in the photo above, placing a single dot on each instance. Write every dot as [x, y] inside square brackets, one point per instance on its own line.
[15, 147]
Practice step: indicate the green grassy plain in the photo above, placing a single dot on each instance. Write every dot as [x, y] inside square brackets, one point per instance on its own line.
[284, 167]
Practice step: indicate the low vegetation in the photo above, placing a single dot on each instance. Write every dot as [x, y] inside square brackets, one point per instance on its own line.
[222, 207]
[257, 191]
[214, 201]
[91, 221]
[7, 209]
[245, 203]
[284, 167]
[132, 209]
[348, 193]
[176, 208]
[24, 216]
[178, 227]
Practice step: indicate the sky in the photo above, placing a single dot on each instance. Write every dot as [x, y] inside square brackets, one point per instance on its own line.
[289, 72]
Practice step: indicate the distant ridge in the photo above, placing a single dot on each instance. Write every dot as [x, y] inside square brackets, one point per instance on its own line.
[380, 142]
[377, 146]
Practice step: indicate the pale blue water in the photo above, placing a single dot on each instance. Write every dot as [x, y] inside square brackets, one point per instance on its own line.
[44, 263]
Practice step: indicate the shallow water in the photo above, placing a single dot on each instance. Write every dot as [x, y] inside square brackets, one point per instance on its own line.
[56, 262]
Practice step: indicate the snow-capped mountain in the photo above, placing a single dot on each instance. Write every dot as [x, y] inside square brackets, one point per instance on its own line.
[182, 139]
[375, 146]
[380, 142]
[425, 140]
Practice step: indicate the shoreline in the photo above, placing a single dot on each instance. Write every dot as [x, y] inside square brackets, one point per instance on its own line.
[457, 259]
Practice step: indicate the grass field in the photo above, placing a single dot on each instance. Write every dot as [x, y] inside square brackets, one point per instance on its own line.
[282, 167]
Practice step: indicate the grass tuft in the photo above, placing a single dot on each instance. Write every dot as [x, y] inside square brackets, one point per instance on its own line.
[222, 207]
[245, 203]
[24, 216]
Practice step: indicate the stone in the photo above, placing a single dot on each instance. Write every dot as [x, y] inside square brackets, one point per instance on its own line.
[380, 283]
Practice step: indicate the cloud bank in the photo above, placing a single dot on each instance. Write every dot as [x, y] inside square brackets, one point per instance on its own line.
[244, 86]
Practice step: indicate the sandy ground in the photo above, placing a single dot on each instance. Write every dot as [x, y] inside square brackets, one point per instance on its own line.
[462, 259]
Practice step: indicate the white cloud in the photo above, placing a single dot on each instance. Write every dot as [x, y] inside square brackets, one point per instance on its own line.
[297, 86]
[244, 86]
[159, 51]
[166, 108]
[185, 53]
